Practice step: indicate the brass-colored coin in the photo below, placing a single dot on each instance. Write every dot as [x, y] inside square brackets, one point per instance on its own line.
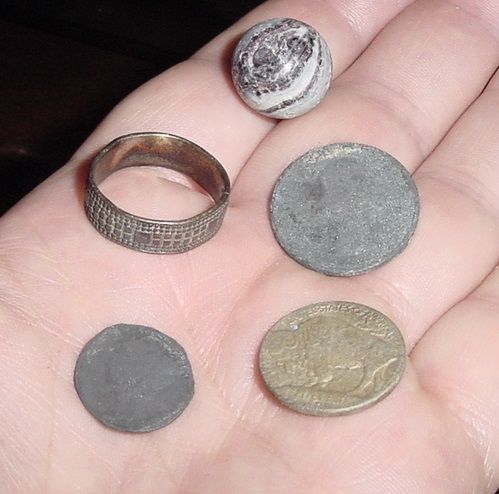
[332, 358]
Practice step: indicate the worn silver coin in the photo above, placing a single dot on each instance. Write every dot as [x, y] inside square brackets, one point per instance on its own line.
[332, 358]
[344, 209]
[134, 378]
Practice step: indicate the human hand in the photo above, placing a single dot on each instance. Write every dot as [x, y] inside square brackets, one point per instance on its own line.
[409, 93]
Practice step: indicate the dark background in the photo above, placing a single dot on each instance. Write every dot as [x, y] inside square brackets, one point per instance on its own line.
[64, 65]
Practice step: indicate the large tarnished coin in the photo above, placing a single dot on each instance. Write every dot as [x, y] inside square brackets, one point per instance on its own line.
[344, 209]
[134, 378]
[332, 358]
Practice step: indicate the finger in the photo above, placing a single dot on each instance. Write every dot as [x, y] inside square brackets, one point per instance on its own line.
[457, 363]
[197, 100]
[456, 244]
[413, 292]
[401, 95]
[348, 26]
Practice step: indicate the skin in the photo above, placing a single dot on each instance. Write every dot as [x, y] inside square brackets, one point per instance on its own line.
[413, 78]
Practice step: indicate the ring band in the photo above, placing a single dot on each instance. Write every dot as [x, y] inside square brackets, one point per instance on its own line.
[148, 235]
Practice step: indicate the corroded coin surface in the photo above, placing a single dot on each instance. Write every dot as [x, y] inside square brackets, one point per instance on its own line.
[332, 358]
[134, 378]
[344, 209]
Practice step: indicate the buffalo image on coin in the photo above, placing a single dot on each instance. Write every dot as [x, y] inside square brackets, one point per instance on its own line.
[344, 209]
[332, 358]
[134, 378]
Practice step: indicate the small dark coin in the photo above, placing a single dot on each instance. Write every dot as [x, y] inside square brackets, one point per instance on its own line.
[344, 209]
[134, 378]
[332, 358]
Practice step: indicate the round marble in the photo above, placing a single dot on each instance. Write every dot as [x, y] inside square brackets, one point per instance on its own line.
[282, 68]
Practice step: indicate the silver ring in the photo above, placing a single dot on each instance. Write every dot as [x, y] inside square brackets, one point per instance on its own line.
[148, 235]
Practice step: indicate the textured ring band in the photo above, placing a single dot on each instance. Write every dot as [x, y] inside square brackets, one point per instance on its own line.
[148, 235]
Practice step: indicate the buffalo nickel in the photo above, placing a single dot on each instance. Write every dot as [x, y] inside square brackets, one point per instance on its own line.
[344, 209]
[332, 358]
[134, 378]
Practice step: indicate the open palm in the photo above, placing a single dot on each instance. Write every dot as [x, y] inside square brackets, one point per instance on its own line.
[410, 79]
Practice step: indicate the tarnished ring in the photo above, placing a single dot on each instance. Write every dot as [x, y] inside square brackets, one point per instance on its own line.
[151, 235]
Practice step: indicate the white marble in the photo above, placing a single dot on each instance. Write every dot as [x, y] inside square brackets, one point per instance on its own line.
[282, 68]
